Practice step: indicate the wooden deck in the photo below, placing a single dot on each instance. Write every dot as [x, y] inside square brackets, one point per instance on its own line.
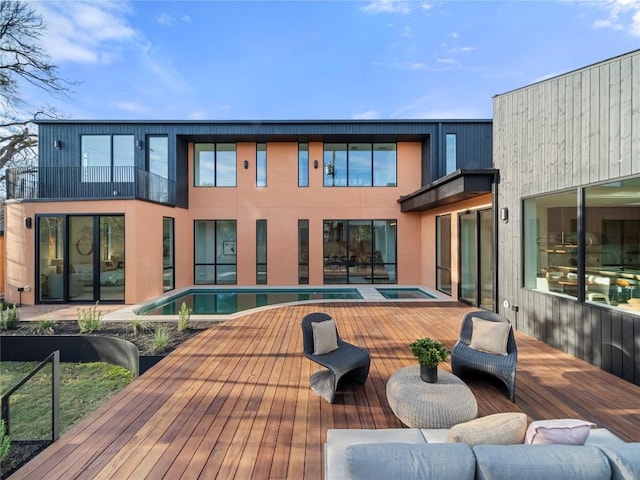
[234, 402]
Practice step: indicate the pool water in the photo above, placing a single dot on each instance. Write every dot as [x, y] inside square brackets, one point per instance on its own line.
[225, 302]
[404, 293]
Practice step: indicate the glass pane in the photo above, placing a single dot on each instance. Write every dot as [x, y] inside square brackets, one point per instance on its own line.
[81, 258]
[443, 253]
[612, 244]
[261, 251]
[51, 257]
[226, 165]
[486, 259]
[204, 165]
[360, 165]
[159, 156]
[261, 165]
[384, 164]
[550, 243]
[168, 278]
[123, 158]
[451, 160]
[112, 258]
[205, 236]
[96, 158]
[205, 274]
[226, 274]
[303, 164]
[384, 251]
[335, 251]
[335, 165]
[468, 258]
[303, 252]
[226, 242]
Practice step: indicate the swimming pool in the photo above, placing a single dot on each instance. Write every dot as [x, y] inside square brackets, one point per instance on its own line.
[225, 302]
[404, 293]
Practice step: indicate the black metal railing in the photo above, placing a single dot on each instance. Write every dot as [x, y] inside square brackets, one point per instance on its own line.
[54, 359]
[88, 183]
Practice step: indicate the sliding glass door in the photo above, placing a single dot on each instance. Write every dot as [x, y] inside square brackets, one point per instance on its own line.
[476, 258]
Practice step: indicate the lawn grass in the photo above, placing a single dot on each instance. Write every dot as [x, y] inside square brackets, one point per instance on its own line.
[83, 388]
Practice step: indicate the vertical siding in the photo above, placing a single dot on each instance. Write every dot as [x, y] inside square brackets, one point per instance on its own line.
[577, 129]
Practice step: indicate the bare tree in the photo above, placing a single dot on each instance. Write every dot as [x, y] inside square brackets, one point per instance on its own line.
[22, 59]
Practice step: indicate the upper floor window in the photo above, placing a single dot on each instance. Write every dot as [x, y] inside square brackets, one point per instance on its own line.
[107, 158]
[215, 164]
[451, 162]
[303, 164]
[261, 165]
[360, 165]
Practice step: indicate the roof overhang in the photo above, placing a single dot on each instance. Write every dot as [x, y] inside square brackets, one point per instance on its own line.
[455, 187]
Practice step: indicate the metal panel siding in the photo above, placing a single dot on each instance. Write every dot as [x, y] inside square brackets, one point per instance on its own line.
[569, 131]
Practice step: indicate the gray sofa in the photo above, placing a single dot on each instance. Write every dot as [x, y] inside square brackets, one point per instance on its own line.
[406, 454]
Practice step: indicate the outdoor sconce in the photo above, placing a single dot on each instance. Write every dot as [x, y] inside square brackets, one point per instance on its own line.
[504, 214]
[246, 164]
[315, 164]
[139, 144]
[27, 223]
[57, 144]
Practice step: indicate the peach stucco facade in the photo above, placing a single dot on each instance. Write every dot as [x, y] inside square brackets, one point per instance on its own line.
[281, 203]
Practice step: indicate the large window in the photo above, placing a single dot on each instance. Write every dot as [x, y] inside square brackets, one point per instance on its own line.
[476, 258]
[158, 166]
[261, 252]
[215, 252]
[551, 243]
[443, 253]
[359, 251]
[107, 158]
[303, 252]
[168, 257]
[303, 164]
[360, 165]
[215, 164]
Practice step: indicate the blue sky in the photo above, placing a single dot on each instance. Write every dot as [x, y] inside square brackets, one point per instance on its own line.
[273, 60]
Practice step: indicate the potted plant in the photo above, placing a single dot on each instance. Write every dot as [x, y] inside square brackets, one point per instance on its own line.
[429, 354]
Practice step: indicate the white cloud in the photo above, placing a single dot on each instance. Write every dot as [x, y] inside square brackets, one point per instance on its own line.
[131, 107]
[387, 6]
[621, 15]
[368, 115]
[423, 108]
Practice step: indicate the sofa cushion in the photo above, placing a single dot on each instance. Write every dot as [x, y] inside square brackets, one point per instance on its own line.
[534, 462]
[489, 336]
[499, 429]
[624, 459]
[325, 337]
[410, 461]
[338, 439]
[568, 431]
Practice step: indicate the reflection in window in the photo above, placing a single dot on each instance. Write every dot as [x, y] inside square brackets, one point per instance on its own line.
[359, 251]
[303, 164]
[303, 252]
[450, 153]
[215, 252]
[168, 249]
[158, 162]
[214, 165]
[550, 243]
[261, 252]
[359, 164]
[261, 165]
[107, 158]
[443, 253]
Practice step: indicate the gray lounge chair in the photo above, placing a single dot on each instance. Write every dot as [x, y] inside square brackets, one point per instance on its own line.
[464, 357]
[347, 361]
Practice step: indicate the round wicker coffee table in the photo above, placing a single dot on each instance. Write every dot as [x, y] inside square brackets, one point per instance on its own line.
[419, 404]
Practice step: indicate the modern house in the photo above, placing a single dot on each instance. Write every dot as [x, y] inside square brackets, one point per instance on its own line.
[534, 214]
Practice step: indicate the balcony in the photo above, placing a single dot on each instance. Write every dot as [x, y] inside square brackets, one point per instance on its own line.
[89, 183]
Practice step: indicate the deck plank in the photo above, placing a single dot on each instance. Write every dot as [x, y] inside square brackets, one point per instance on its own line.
[235, 403]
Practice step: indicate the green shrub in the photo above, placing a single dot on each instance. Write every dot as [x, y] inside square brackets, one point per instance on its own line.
[429, 352]
[161, 339]
[183, 317]
[46, 327]
[9, 318]
[89, 319]
[5, 441]
[137, 326]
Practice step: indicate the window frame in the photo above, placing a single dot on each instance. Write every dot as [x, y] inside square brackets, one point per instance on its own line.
[334, 160]
[215, 182]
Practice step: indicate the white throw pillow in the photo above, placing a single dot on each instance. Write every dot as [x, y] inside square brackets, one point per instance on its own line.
[567, 431]
[489, 336]
[325, 337]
